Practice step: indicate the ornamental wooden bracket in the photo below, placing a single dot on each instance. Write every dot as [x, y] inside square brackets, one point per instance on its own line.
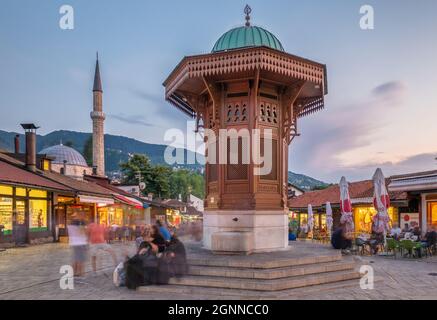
[290, 116]
[214, 94]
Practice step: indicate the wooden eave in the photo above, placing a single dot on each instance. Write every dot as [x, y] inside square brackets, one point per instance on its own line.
[245, 60]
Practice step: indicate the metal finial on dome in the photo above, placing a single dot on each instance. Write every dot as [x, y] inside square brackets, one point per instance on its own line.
[247, 11]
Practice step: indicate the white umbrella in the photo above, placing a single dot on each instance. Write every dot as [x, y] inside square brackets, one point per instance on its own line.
[329, 219]
[346, 206]
[381, 202]
[310, 218]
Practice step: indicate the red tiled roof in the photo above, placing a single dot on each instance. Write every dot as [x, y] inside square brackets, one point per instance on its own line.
[104, 183]
[13, 174]
[357, 190]
[81, 186]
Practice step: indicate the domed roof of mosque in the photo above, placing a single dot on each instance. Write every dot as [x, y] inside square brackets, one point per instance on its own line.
[62, 153]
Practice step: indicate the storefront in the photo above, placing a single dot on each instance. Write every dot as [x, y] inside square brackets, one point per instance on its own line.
[24, 213]
[363, 217]
[361, 193]
[69, 208]
[421, 188]
[120, 214]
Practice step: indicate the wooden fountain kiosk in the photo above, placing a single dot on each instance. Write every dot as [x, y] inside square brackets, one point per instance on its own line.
[248, 81]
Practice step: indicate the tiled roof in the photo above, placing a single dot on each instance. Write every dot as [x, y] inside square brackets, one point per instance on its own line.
[13, 174]
[104, 183]
[192, 211]
[174, 203]
[11, 160]
[357, 190]
[81, 186]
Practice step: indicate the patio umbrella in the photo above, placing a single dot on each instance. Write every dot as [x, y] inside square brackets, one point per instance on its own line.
[329, 220]
[310, 218]
[346, 206]
[381, 202]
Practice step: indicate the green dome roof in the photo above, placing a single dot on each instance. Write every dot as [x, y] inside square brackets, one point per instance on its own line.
[247, 36]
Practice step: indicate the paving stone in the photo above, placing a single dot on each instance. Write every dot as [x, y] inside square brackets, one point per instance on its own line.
[33, 273]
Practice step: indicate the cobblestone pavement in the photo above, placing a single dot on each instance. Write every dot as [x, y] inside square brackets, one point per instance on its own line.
[34, 273]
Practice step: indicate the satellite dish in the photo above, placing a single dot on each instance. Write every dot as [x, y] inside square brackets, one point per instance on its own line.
[142, 186]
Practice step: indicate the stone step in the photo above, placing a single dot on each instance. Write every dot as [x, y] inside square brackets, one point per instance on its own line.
[253, 262]
[188, 292]
[268, 274]
[266, 285]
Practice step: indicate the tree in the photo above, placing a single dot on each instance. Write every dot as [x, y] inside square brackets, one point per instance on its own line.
[160, 181]
[137, 164]
[184, 182]
[69, 144]
[88, 150]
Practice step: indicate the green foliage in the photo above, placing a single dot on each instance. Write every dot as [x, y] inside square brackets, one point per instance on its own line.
[69, 144]
[159, 183]
[161, 180]
[88, 150]
[184, 182]
[137, 164]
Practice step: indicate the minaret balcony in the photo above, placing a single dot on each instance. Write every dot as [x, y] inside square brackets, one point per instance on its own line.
[97, 115]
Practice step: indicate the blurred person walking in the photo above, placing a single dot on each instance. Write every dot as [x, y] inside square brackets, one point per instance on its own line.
[96, 236]
[78, 242]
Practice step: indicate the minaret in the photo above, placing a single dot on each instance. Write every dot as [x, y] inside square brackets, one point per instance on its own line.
[98, 118]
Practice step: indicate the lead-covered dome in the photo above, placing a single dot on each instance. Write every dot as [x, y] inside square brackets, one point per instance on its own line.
[247, 36]
[61, 153]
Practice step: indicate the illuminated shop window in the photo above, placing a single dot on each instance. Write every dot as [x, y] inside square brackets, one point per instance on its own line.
[6, 214]
[20, 192]
[432, 212]
[38, 215]
[364, 216]
[5, 190]
[20, 212]
[37, 193]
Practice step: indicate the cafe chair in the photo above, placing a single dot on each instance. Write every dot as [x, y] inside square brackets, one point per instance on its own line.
[393, 246]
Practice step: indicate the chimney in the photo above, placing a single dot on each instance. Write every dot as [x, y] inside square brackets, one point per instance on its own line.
[30, 130]
[17, 144]
[65, 167]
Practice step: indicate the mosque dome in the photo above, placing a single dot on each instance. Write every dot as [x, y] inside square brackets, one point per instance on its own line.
[61, 153]
[247, 36]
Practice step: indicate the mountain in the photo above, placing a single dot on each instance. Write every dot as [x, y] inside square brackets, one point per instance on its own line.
[119, 148]
[304, 182]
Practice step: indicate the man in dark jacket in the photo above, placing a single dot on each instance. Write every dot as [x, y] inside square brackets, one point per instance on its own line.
[339, 239]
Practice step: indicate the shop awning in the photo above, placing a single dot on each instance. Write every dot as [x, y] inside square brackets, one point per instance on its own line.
[98, 200]
[130, 201]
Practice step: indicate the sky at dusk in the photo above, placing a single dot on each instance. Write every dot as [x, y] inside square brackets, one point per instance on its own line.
[380, 111]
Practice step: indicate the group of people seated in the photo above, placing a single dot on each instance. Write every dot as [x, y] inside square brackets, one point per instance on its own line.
[342, 240]
[160, 255]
